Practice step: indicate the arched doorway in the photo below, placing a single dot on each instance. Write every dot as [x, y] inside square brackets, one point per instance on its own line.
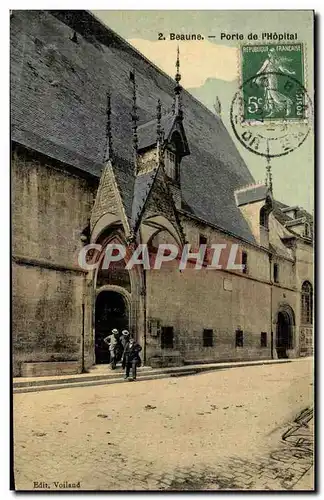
[284, 334]
[111, 311]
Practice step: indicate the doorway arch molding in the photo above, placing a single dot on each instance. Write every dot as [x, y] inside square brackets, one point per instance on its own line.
[284, 320]
[287, 310]
[118, 289]
[126, 296]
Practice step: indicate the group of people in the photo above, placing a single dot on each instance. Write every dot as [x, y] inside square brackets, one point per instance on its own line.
[124, 347]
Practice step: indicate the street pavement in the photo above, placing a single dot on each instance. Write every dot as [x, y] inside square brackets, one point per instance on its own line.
[221, 430]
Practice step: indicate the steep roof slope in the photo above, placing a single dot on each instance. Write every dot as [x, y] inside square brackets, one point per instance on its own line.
[58, 107]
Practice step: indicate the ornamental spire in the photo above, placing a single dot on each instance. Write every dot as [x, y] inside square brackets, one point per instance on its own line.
[134, 117]
[177, 104]
[158, 129]
[268, 180]
[158, 121]
[108, 148]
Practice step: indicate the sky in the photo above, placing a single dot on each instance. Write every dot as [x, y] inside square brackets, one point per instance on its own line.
[210, 68]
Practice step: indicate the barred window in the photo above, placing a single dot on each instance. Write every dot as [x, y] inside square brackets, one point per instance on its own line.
[244, 262]
[167, 337]
[307, 303]
[207, 338]
[276, 273]
[239, 338]
[263, 339]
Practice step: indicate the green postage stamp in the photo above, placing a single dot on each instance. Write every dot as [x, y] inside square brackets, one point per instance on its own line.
[272, 82]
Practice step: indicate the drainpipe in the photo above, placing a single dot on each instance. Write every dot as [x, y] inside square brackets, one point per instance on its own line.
[144, 304]
[82, 341]
[271, 331]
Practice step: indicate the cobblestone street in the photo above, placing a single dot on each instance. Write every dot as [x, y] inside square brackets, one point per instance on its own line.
[241, 428]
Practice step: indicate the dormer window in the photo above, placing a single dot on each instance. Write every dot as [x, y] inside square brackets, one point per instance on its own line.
[170, 164]
[264, 217]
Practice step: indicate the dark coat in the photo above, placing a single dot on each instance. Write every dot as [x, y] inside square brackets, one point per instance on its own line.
[131, 353]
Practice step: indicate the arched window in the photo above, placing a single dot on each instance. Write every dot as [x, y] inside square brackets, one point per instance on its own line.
[264, 217]
[307, 303]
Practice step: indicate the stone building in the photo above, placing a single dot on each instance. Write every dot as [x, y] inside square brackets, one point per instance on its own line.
[107, 148]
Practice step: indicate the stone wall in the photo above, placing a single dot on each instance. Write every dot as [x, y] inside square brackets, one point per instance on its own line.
[222, 300]
[50, 208]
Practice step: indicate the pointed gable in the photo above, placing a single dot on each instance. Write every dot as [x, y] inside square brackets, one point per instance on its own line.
[160, 202]
[170, 123]
[108, 199]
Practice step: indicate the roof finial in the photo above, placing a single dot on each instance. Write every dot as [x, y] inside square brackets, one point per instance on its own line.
[134, 120]
[108, 149]
[177, 104]
[268, 180]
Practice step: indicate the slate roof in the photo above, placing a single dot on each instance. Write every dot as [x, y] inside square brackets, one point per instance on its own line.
[251, 194]
[147, 131]
[142, 187]
[58, 107]
[280, 212]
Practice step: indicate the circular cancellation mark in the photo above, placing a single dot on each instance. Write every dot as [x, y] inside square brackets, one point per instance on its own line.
[271, 114]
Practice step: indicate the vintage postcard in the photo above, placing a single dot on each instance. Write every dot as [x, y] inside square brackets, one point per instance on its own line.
[162, 250]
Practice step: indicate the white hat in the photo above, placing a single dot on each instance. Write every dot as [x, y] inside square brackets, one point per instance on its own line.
[114, 330]
[125, 332]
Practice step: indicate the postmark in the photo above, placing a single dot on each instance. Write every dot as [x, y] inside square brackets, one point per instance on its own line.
[265, 136]
[269, 95]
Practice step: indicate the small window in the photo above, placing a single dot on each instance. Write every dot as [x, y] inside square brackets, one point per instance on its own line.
[307, 230]
[264, 218]
[239, 338]
[208, 338]
[263, 339]
[132, 76]
[202, 240]
[244, 262]
[167, 337]
[170, 164]
[276, 273]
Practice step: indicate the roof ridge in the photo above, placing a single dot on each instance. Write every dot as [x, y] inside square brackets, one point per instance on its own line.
[249, 186]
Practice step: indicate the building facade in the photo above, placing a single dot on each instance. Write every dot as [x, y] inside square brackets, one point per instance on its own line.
[107, 149]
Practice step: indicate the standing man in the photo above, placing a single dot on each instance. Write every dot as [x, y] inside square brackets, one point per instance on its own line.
[131, 358]
[125, 338]
[112, 341]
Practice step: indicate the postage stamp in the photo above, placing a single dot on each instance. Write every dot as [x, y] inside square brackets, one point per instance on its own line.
[268, 94]
[162, 250]
[277, 136]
